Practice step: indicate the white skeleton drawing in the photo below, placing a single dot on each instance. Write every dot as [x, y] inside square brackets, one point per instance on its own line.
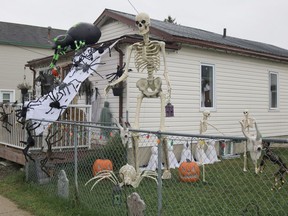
[147, 56]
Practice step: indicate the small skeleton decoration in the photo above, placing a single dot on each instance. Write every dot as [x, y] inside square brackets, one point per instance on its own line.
[247, 122]
[147, 56]
[254, 146]
[200, 155]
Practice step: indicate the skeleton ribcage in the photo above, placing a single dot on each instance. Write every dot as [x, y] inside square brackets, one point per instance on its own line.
[147, 57]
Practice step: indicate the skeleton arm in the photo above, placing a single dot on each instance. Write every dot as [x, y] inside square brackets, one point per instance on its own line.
[165, 74]
[124, 75]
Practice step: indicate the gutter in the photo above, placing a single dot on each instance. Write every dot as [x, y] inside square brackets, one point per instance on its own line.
[121, 55]
[34, 77]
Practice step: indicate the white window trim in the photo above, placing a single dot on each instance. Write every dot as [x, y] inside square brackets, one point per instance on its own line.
[12, 91]
[277, 106]
[213, 89]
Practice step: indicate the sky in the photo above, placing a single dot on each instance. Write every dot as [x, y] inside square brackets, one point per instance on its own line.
[257, 20]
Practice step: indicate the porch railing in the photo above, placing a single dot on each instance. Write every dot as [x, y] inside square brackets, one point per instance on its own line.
[12, 132]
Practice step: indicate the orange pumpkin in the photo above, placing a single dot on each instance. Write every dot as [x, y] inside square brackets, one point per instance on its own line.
[189, 171]
[102, 164]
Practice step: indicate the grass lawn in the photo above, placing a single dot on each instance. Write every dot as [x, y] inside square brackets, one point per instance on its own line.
[228, 191]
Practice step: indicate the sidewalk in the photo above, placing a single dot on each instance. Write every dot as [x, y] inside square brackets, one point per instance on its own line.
[8, 208]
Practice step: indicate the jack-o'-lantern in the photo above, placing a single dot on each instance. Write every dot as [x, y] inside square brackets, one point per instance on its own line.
[189, 171]
[102, 164]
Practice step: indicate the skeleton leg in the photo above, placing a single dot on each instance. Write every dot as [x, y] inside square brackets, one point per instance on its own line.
[166, 173]
[137, 114]
[135, 146]
[245, 157]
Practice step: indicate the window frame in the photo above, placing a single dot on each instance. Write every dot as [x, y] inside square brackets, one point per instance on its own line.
[270, 91]
[11, 92]
[213, 107]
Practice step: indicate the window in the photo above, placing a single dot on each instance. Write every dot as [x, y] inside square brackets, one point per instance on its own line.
[273, 91]
[6, 96]
[207, 86]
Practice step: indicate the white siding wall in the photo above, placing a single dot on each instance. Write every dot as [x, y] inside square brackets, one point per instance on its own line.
[13, 60]
[241, 83]
[115, 29]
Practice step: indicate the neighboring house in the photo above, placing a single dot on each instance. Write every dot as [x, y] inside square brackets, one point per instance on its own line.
[18, 44]
[241, 74]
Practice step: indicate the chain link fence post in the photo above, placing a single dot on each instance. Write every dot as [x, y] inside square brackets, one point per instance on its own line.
[75, 133]
[159, 168]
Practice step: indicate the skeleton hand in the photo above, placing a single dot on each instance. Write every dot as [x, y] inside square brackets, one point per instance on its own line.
[107, 89]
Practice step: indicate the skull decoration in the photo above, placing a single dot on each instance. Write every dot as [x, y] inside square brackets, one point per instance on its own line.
[127, 174]
[206, 114]
[143, 22]
[246, 112]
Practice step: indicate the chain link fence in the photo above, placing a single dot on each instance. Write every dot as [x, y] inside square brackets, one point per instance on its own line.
[70, 154]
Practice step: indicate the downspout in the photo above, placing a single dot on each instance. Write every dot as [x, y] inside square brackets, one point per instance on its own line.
[121, 55]
[34, 77]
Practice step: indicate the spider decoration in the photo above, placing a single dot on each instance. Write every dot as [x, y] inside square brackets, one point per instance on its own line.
[55, 101]
[127, 174]
[63, 87]
[30, 142]
[49, 154]
[22, 113]
[76, 38]
[86, 68]
[5, 118]
[117, 74]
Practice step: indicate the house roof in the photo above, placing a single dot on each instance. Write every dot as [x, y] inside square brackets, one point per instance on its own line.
[26, 35]
[197, 37]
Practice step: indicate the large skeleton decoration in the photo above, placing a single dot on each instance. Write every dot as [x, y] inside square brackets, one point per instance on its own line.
[147, 56]
[247, 123]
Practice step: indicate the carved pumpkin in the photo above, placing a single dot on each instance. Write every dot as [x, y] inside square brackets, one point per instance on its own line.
[102, 164]
[189, 171]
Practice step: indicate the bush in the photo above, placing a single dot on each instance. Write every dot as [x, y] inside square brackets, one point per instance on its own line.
[116, 152]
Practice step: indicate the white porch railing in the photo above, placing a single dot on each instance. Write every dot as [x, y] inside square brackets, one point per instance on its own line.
[11, 132]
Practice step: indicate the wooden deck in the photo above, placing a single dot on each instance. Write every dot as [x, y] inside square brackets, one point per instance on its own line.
[12, 154]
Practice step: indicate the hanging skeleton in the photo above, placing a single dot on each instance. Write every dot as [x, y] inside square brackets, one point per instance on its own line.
[147, 56]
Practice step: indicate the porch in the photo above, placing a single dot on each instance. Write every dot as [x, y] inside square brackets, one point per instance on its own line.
[12, 132]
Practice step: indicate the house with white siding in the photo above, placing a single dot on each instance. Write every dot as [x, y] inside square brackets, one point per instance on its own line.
[18, 44]
[208, 71]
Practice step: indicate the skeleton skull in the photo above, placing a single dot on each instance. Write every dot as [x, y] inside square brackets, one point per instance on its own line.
[127, 174]
[206, 114]
[246, 112]
[143, 22]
